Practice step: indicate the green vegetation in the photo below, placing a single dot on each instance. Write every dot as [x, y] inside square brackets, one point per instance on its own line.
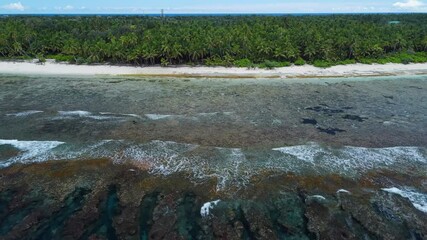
[299, 62]
[273, 64]
[41, 59]
[61, 58]
[322, 63]
[243, 63]
[243, 41]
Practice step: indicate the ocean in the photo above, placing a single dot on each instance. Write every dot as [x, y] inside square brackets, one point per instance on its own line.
[154, 158]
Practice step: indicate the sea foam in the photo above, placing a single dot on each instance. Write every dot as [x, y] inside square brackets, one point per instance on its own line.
[31, 151]
[79, 113]
[85, 114]
[205, 209]
[348, 158]
[418, 200]
[157, 116]
[24, 113]
[194, 116]
[233, 168]
[121, 114]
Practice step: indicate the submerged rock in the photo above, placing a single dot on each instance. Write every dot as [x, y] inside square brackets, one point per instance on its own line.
[309, 121]
[330, 131]
[354, 117]
[97, 199]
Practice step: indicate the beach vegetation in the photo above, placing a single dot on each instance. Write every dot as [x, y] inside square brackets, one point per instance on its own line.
[164, 62]
[322, 64]
[345, 62]
[242, 41]
[243, 63]
[61, 57]
[299, 62]
[79, 61]
[41, 59]
[273, 64]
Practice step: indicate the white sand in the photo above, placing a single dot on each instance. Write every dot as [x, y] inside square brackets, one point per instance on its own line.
[52, 68]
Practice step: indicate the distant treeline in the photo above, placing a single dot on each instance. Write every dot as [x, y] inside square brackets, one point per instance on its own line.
[247, 41]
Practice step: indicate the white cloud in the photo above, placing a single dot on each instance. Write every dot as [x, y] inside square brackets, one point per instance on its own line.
[409, 4]
[68, 7]
[14, 6]
[123, 9]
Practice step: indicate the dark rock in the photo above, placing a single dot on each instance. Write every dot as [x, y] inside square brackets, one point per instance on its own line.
[148, 203]
[325, 110]
[164, 217]
[385, 222]
[309, 121]
[256, 225]
[330, 131]
[354, 118]
[415, 87]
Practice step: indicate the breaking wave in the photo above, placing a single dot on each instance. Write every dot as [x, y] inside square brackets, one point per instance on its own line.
[418, 200]
[349, 158]
[24, 113]
[30, 151]
[233, 168]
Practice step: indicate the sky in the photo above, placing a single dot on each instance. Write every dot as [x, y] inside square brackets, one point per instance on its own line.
[209, 6]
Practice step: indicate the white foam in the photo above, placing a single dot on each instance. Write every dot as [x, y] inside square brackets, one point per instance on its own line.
[24, 113]
[343, 191]
[193, 117]
[160, 157]
[228, 166]
[232, 171]
[100, 149]
[233, 168]
[157, 116]
[85, 114]
[121, 114]
[79, 113]
[319, 197]
[303, 152]
[418, 200]
[31, 150]
[205, 209]
[349, 159]
[131, 115]
[207, 114]
[95, 117]
[40, 151]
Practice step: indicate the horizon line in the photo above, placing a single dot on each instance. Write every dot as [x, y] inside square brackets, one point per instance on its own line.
[204, 13]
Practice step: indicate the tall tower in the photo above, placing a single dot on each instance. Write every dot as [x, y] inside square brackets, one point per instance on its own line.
[162, 13]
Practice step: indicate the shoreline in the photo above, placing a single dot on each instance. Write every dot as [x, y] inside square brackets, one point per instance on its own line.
[305, 71]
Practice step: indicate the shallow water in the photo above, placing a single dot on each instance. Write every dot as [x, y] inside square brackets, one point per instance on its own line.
[150, 154]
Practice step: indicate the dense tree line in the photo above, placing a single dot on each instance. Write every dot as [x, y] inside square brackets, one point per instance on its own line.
[216, 40]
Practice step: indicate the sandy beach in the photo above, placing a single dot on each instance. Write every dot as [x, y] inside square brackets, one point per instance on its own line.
[352, 70]
[82, 152]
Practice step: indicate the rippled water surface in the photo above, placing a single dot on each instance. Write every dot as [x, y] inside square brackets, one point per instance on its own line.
[164, 158]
